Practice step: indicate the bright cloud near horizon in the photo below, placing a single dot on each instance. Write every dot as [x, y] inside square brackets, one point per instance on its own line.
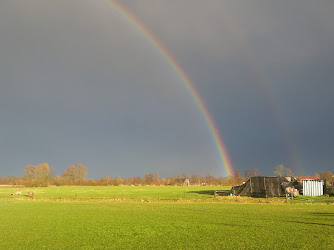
[79, 83]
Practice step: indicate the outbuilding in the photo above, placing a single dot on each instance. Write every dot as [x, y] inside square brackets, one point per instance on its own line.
[313, 187]
[267, 186]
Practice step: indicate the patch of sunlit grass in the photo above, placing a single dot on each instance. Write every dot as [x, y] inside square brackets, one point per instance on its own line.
[34, 224]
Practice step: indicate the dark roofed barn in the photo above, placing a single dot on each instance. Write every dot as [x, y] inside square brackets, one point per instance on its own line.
[264, 186]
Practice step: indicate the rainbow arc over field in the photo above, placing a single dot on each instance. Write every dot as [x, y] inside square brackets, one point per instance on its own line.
[188, 84]
[264, 82]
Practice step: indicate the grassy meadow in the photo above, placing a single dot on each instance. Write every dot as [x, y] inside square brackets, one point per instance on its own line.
[160, 218]
[126, 192]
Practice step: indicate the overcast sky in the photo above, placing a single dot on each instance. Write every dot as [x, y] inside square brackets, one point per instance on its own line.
[79, 83]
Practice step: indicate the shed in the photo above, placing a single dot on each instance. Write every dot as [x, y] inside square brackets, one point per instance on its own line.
[314, 187]
[266, 186]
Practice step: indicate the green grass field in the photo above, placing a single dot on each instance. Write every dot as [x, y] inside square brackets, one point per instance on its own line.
[129, 192]
[160, 218]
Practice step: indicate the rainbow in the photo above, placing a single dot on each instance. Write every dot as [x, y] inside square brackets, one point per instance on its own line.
[188, 84]
[264, 83]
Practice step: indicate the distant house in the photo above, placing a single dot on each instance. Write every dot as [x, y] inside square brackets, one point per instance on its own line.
[301, 178]
[314, 187]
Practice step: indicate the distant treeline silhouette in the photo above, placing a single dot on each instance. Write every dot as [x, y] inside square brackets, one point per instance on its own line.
[43, 175]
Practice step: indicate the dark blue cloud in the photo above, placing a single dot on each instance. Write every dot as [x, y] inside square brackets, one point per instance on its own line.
[79, 83]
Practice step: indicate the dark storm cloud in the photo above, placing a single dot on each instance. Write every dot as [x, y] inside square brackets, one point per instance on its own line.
[80, 84]
[246, 47]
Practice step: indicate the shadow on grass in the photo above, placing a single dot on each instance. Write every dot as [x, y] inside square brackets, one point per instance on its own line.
[211, 192]
[323, 214]
[25, 195]
[312, 223]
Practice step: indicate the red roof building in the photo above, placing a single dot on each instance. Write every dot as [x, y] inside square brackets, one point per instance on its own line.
[300, 178]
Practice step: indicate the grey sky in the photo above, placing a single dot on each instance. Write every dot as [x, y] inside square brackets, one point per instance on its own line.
[78, 83]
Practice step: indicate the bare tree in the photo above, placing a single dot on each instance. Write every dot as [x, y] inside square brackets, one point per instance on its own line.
[237, 178]
[76, 173]
[106, 180]
[248, 173]
[281, 170]
[38, 175]
[137, 180]
[327, 176]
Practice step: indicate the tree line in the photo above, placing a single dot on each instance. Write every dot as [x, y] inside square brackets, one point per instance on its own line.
[43, 175]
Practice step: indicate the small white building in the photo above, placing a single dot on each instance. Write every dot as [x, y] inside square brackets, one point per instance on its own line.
[313, 187]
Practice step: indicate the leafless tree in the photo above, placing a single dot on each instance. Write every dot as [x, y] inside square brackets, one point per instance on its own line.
[76, 173]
